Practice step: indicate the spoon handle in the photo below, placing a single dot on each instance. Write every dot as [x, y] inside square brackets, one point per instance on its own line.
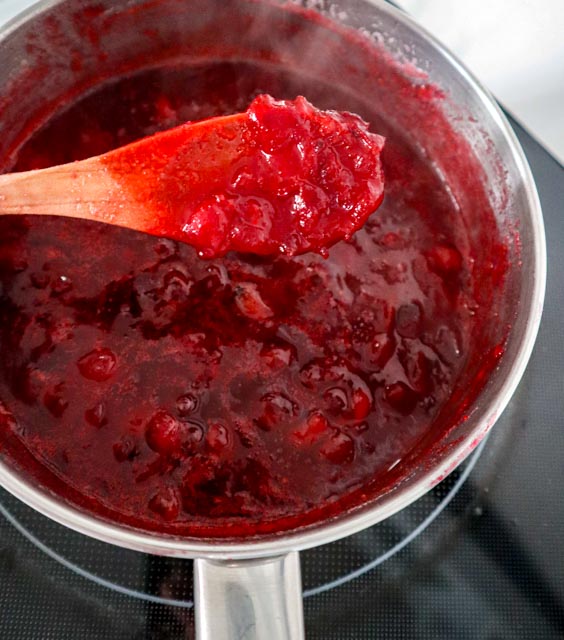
[76, 190]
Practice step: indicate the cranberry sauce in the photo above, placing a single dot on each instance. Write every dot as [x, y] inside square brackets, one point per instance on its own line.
[282, 177]
[234, 396]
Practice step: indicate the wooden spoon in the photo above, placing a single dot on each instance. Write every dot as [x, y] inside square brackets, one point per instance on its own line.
[280, 177]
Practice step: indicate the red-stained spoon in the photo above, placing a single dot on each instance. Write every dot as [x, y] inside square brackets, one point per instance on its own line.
[283, 177]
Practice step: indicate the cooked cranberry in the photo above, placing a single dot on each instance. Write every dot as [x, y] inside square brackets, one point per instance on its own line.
[247, 433]
[217, 437]
[98, 364]
[382, 350]
[408, 320]
[401, 397]
[312, 373]
[444, 260]
[166, 503]
[96, 416]
[339, 449]
[336, 399]
[315, 426]
[278, 409]
[361, 403]
[194, 433]
[250, 303]
[125, 449]
[15, 264]
[164, 433]
[419, 370]
[186, 404]
[278, 356]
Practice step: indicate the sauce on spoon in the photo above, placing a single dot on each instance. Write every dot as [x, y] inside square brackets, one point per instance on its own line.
[282, 177]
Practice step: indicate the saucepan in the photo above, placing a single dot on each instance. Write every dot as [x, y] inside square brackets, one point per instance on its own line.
[250, 588]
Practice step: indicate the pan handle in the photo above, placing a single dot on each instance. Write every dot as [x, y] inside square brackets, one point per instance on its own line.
[249, 599]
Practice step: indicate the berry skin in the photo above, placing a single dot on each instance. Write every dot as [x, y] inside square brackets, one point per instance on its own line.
[186, 404]
[250, 303]
[278, 409]
[408, 320]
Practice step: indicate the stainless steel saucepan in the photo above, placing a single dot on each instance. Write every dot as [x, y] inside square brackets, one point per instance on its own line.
[252, 588]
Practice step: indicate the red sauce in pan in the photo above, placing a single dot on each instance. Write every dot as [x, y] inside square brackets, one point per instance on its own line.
[242, 394]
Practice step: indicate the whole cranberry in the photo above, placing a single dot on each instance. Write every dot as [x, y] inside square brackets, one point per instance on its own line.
[164, 433]
[315, 426]
[401, 397]
[98, 364]
[166, 503]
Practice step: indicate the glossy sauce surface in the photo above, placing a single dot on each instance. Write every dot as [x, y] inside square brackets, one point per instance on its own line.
[233, 396]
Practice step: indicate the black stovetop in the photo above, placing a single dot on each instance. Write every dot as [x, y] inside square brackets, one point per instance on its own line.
[479, 557]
